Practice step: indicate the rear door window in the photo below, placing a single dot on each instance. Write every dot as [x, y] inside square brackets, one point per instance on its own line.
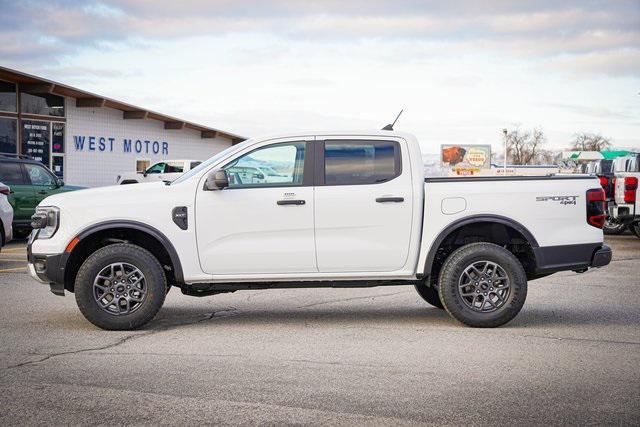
[360, 162]
[11, 173]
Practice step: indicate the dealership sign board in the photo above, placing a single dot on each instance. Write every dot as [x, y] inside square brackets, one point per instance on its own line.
[128, 145]
[466, 159]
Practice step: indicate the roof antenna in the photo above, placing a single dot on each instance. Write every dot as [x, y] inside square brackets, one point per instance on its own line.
[390, 126]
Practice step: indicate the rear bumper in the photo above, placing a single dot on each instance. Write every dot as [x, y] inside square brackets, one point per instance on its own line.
[551, 259]
[622, 213]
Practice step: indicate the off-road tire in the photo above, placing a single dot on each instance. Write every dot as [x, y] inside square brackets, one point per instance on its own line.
[122, 252]
[429, 293]
[453, 269]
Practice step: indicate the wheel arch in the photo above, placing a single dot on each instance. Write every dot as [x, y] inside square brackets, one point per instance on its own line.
[108, 232]
[453, 229]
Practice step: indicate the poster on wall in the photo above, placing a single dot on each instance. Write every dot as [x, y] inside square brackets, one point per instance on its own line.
[466, 159]
[35, 140]
[57, 137]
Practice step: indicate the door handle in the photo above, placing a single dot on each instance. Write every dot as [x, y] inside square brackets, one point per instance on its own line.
[291, 202]
[42, 192]
[390, 199]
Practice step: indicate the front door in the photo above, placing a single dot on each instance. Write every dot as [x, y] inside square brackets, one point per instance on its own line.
[263, 222]
[43, 183]
[364, 203]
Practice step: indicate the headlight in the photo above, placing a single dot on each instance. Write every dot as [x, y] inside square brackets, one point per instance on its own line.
[46, 219]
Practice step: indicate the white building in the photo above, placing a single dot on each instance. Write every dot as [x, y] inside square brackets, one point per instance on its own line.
[88, 139]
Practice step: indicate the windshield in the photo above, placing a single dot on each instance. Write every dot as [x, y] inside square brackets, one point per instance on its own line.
[207, 163]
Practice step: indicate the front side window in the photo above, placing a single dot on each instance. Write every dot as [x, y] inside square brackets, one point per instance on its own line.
[39, 175]
[157, 168]
[273, 165]
[11, 174]
[360, 162]
[194, 165]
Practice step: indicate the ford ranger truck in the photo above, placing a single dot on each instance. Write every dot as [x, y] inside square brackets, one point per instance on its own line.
[342, 210]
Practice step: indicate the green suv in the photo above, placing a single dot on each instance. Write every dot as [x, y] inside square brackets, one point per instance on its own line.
[30, 182]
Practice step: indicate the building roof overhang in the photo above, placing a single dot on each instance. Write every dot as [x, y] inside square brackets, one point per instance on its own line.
[86, 99]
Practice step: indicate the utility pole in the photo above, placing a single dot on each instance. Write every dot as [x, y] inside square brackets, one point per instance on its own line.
[504, 131]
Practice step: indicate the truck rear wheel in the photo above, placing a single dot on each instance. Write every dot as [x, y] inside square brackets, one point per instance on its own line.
[482, 285]
[429, 293]
[635, 229]
[120, 287]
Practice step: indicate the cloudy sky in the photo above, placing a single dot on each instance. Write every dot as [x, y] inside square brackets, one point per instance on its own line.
[461, 69]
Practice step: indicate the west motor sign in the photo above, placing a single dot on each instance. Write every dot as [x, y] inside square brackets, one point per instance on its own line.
[126, 145]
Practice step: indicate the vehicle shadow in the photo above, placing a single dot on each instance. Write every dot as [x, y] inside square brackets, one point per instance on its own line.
[421, 317]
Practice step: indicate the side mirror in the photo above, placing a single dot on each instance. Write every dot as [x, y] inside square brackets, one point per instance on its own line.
[60, 183]
[216, 180]
[144, 173]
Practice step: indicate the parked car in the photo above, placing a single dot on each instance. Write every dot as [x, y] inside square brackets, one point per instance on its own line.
[6, 215]
[30, 182]
[356, 211]
[166, 170]
[626, 193]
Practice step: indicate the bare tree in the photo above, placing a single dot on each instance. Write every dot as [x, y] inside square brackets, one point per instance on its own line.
[590, 142]
[525, 147]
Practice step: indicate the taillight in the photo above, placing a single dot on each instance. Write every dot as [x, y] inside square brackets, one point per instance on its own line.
[5, 190]
[613, 187]
[595, 207]
[630, 188]
[604, 181]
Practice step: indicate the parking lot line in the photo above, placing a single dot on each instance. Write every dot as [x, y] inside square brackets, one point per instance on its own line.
[14, 249]
[6, 270]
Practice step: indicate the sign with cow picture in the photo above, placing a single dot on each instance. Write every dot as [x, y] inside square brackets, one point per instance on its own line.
[466, 159]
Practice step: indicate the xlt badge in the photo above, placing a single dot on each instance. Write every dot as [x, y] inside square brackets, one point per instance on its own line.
[180, 217]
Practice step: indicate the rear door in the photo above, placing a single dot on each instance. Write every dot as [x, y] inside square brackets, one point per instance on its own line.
[22, 194]
[363, 204]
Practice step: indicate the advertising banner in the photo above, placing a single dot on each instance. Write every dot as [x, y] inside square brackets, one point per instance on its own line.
[466, 159]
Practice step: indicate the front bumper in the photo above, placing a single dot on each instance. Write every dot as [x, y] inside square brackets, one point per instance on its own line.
[551, 259]
[48, 269]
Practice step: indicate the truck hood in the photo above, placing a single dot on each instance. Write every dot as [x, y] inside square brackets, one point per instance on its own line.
[106, 195]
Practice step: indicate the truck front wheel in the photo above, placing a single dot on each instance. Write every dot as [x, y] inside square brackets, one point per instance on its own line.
[482, 285]
[120, 287]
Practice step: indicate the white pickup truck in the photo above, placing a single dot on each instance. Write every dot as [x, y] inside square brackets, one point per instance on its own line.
[166, 170]
[626, 208]
[342, 210]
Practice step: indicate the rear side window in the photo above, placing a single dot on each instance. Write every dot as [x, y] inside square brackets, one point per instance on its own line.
[194, 164]
[11, 174]
[361, 162]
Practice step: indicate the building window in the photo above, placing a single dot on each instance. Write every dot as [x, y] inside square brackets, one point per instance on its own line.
[142, 165]
[8, 98]
[35, 140]
[45, 104]
[8, 136]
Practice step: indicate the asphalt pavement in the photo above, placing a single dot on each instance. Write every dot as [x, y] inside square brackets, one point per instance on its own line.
[327, 356]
